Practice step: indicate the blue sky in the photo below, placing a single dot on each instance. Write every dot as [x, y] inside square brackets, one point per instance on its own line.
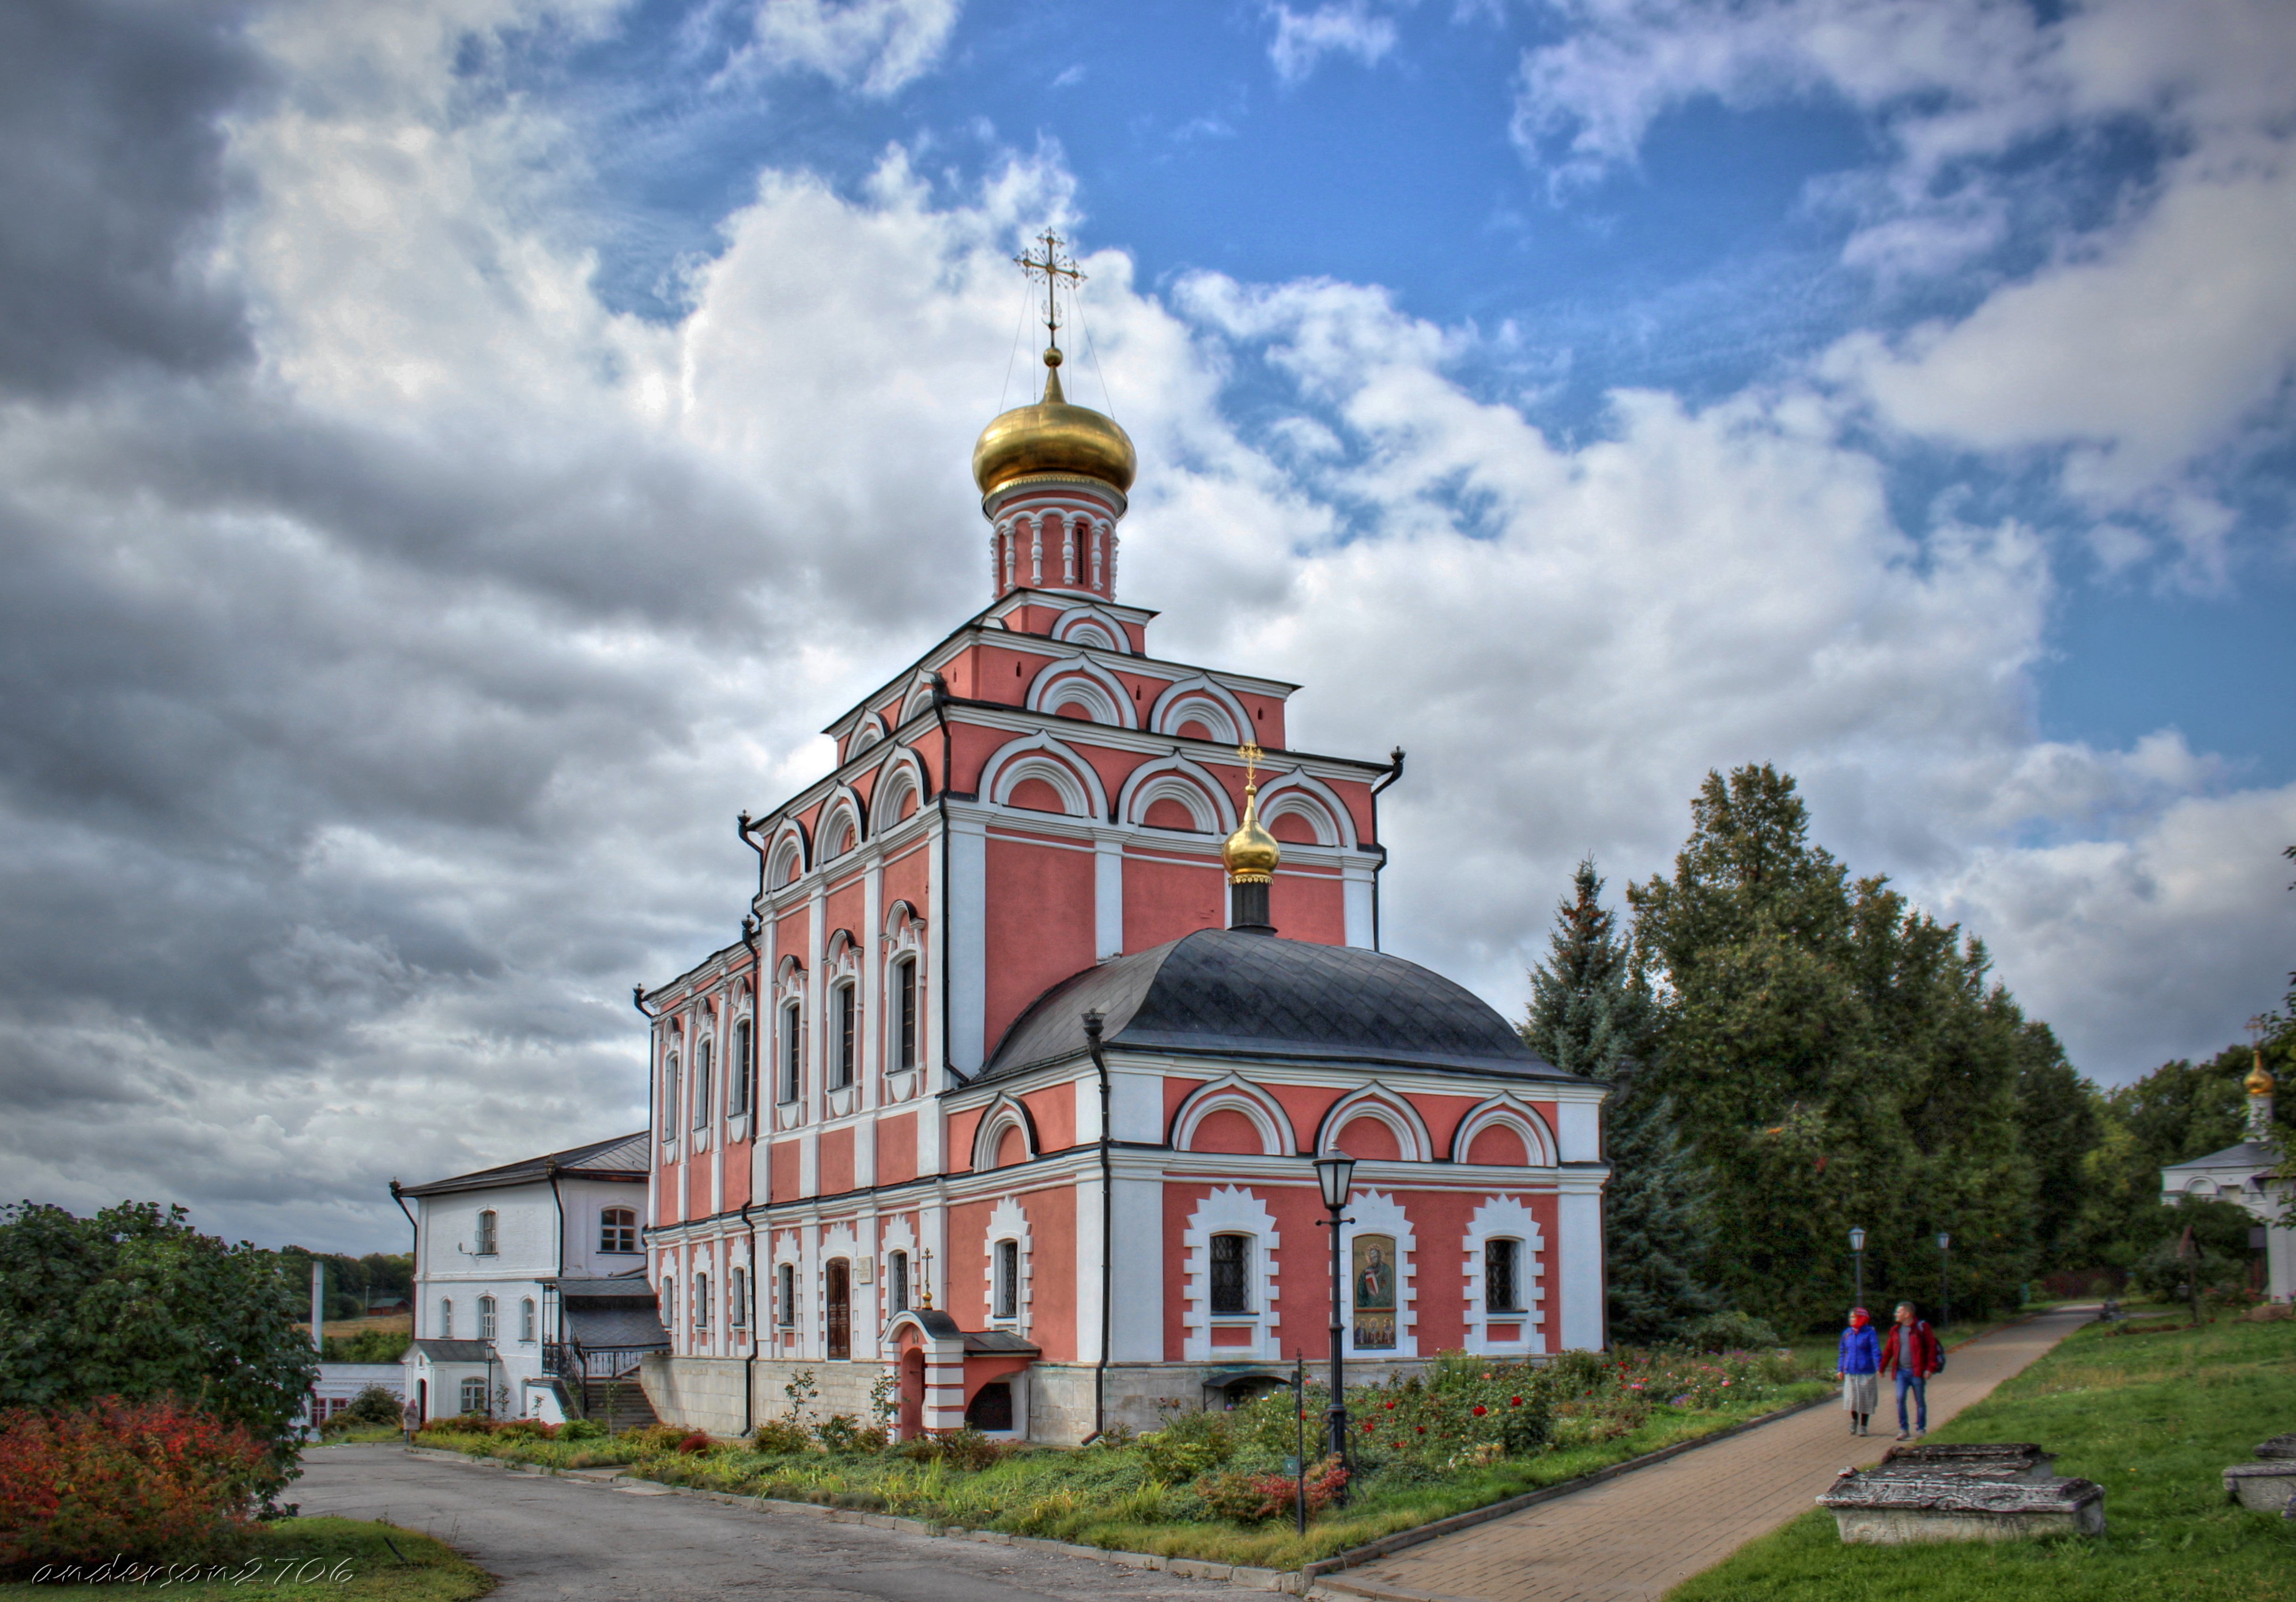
[471, 449]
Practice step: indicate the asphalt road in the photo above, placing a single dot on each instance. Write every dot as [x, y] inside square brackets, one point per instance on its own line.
[550, 1538]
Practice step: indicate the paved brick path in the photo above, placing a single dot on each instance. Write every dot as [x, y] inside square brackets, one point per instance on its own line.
[1631, 1539]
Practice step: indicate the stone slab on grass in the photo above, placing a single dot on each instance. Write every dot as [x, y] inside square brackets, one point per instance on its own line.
[2261, 1487]
[2278, 1448]
[1900, 1509]
[1982, 1460]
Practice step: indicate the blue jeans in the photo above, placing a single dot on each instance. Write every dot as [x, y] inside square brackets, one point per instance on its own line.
[1919, 1385]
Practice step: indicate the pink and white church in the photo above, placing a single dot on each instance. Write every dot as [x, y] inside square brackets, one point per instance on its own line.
[1053, 989]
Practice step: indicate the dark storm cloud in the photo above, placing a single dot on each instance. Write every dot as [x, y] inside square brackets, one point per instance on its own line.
[113, 176]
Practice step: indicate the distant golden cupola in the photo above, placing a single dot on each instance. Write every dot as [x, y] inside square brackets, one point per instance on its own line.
[2259, 1080]
[1052, 437]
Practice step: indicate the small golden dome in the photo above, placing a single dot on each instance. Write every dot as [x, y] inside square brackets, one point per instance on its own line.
[1250, 853]
[2260, 1079]
[1052, 437]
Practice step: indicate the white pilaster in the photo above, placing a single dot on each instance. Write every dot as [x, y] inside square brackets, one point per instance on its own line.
[1108, 896]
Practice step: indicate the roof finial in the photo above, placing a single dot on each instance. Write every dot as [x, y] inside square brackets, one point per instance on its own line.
[1051, 267]
[1250, 855]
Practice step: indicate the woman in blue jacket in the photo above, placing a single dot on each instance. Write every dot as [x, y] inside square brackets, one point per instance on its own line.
[1859, 1370]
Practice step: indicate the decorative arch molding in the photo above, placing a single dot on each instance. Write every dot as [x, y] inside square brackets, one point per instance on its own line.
[1234, 1094]
[1082, 682]
[1249, 1337]
[1206, 701]
[1004, 1113]
[1177, 778]
[1376, 1101]
[1090, 626]
[1507, 1217]
[901, 774]
[920, 698]
[1301, 795]
[789, 855]
[866, 733]
[844, 823]
[1376, 1212]
[1509, 1112]
[1042, 757]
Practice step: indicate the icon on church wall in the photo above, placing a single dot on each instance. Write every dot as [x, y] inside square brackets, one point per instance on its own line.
[1374, 1290]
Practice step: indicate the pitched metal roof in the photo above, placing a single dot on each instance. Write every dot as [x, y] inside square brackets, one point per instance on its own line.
[633, 1285]
[2248, 1155]
[620, 1157]
[455, 1352]
[1219, 993]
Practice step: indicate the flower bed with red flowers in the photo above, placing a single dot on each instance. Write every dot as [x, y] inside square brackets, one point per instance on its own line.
[147, 1480]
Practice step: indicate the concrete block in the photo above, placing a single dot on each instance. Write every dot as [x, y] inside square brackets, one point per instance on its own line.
[1196, 1569]
[1898, 1510]
[2266, 1487]
[2279, 1447]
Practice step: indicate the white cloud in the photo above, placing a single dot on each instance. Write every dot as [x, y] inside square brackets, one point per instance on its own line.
[1336, 27]
[377, 707]
[878, 45]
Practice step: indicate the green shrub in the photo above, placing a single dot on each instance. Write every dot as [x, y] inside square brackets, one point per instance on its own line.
[1190, 1445]
[776, 1437]
[374, 1405]
[966, 1449]
[1730, 1332]
[581, 1429]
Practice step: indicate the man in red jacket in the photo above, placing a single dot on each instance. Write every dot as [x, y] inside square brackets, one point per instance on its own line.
[1912, 1351]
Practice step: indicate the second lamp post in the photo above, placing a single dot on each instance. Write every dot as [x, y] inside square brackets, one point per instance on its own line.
[1336, 1175]
[1857, 1251]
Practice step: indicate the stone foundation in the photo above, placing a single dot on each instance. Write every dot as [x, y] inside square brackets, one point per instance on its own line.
[1052, 1402]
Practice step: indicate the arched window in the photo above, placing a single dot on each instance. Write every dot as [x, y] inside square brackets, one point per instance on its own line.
[526, 1321]
[446, 1319]
[701, 1065]
[1502, 1275]
[485, 1317]
[669, 1305]
[1231, 1275]
[905, 1012]
[841, 1066]
[897, 1282]
[737, 1299]
[701, 1303]
[669, 1097]
[785, 1295]
[485, 1241]
[617, 1229]
[1008, 1279]
[744, 1068]
[792, 1052]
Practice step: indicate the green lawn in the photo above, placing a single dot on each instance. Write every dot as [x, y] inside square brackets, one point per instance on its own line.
[2153, 1418]
[307, 1559]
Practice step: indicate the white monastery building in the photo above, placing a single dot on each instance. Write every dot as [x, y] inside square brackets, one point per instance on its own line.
[518, 1265]
[1053, 989]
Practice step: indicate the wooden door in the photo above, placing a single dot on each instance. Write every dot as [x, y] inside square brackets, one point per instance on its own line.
[840, 1300]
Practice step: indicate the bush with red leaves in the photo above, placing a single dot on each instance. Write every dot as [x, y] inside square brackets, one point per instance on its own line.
[1250, 1497]
[695, 1442]
[145, 1480]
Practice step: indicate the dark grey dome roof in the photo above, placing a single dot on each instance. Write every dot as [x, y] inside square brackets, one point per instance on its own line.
[1217, 992]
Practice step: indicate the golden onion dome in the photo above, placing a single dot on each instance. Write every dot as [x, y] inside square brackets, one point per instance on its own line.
[2260, 1079]
[1251, 852]
[1052, 437]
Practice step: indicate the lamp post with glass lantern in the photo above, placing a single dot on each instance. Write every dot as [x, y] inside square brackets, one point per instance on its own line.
[1336, 1175]
[1945, 1282]
[1857, 1251]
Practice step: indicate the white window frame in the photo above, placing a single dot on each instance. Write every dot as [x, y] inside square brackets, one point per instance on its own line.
[485, 1317]
[527, 1321]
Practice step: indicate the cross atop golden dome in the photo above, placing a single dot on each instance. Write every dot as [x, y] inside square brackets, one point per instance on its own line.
[1251, 853]
[1053, 439]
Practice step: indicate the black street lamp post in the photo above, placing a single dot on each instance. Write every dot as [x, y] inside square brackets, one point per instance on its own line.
[1857, 1251]
[1336, 1174]
[1945, 1279]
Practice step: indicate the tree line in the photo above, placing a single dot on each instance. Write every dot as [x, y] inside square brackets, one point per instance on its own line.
[1794, 1052]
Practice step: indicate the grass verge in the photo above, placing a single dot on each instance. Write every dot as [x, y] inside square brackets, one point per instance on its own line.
[305, 1560]
[2155, 1419]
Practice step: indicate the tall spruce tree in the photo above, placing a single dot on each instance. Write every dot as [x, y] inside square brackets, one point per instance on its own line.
[1591, 1014]
[1839, 1059]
